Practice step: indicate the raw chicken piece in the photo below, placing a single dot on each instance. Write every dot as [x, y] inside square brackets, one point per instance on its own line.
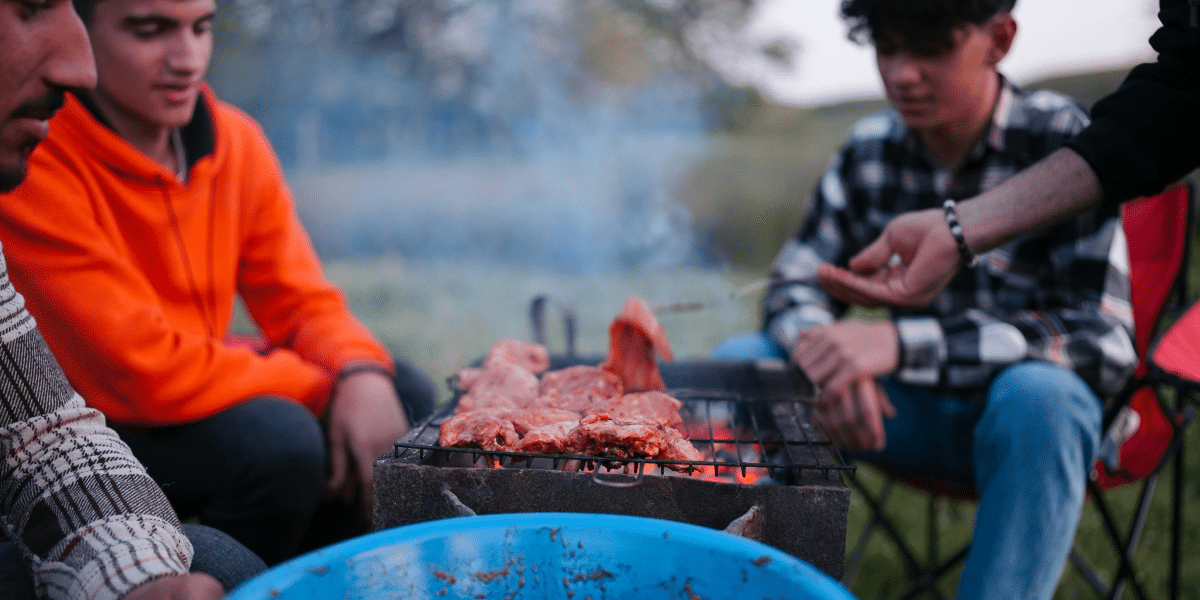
[634, 337]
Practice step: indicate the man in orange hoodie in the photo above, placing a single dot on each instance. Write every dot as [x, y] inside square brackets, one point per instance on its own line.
[149, 208]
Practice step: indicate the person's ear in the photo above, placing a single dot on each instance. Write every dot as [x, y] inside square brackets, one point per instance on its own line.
[1003, 30]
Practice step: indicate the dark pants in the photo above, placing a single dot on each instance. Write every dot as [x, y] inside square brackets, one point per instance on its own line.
[257, 470]
[217, 554]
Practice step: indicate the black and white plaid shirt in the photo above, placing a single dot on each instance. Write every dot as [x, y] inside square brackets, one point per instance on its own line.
[1059, 295]
[83, 511]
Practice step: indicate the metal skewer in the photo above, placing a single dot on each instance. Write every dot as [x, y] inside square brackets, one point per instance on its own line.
[745, 290]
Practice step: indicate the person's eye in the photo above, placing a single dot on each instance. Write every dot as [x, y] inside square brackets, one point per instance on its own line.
[147, 31]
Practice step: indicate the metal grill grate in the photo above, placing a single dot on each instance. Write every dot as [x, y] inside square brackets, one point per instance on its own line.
[768, 433]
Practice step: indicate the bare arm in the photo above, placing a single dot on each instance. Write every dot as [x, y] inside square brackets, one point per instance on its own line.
[1054, 189]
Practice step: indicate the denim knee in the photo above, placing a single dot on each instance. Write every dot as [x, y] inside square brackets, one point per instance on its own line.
[1042, 405]
[748, 346]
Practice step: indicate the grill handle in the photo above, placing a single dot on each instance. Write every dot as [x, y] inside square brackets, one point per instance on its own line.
[537, 319]
[456, 505]
[618, 483]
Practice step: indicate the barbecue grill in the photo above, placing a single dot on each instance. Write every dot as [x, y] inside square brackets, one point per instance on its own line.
[768, 475]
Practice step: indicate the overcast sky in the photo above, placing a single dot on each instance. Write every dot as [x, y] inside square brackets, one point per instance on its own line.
[1054, 37]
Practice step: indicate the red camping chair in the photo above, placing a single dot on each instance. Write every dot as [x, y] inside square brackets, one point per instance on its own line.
[1175, 363]
[1143, 432]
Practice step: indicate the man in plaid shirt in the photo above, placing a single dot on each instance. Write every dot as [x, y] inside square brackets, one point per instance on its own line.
[998, 382]
[76, 507]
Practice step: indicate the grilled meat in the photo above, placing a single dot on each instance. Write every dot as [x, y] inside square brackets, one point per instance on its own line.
[579, 410]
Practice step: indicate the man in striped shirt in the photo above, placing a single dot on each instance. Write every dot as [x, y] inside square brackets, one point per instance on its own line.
[76, 507]
[998, 382]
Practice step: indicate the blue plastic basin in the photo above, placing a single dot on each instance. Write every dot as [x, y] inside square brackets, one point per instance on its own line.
[543, 556]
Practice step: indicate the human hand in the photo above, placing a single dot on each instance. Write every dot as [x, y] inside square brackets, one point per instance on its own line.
[929, 258]
[365, 420]
[844, 359]
[193, 586]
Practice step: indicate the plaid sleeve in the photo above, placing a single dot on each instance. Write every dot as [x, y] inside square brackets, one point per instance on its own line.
[795, 300]
[1081, 317]
[87, 518]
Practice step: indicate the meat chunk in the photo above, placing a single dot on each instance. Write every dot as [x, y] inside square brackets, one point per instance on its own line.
[547, 439]
[467, 377]
[650, 407]
[527, 355]
[617, 410]
[580, 388]
[677, 447]
[601, 435]
[634, 337]
[525, 420]
[504, 386]
[483, 429]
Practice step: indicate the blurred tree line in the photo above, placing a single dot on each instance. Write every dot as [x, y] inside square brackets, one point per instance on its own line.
[335, 81]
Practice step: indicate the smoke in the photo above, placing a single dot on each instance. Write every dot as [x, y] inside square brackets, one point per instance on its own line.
[539, 134]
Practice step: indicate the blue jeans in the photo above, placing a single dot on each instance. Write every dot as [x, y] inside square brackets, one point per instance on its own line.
[1028, 450]
[216, 554]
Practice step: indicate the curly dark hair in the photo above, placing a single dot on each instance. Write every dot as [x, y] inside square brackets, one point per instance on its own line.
[928, 25]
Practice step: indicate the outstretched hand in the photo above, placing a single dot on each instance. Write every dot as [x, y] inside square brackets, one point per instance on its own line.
[928, 259]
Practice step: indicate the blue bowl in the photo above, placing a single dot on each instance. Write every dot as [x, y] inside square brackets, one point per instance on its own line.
[543, 556]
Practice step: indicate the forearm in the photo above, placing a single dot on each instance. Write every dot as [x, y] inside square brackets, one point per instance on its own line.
[112, 529]
[1054, 189]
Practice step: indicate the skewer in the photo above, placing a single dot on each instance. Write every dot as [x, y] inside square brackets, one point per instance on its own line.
[745, 290]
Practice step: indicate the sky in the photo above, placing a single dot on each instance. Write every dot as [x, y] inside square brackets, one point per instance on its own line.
[1053, 37]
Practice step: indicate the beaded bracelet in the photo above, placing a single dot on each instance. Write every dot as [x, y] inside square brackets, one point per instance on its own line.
[956, 231]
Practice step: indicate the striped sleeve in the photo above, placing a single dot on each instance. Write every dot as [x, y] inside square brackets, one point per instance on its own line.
[87, 518]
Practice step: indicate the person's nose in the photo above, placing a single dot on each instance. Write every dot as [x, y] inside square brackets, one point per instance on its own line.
[69, 63]
[900, 69]
[189, 53]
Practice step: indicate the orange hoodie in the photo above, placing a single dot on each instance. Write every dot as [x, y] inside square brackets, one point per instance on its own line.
[132, 274]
